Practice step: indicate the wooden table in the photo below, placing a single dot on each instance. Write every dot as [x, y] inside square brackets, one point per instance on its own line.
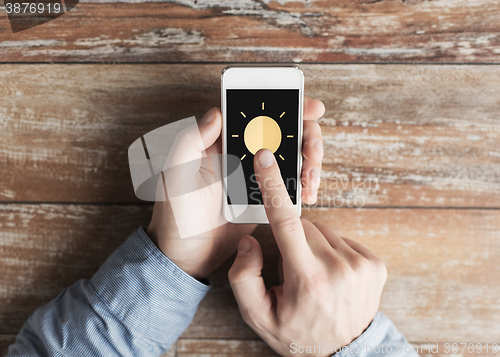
[412, 91]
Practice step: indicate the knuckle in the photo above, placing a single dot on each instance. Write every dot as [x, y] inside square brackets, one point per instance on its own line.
[314, 282]
[231, 274]
[346, 272]
[312, 125]
[185, 135]
[289, 224]
[273, 183]
[236, 276]
[360, 263]
[185, 140]
[254, 319]
[381, 269]
[247, 317]
[371, 266]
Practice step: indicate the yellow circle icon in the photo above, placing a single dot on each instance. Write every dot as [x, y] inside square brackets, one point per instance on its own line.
[262, 132]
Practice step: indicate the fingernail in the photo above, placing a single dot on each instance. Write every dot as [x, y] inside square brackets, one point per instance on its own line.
[208, 117]
[318, 145]
[315, 174]
[266, 158]
[245, 246]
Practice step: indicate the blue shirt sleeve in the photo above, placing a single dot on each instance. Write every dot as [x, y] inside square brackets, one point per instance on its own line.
[380, 339]
[137, 304]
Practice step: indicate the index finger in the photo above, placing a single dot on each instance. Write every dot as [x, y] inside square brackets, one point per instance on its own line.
[283, 217]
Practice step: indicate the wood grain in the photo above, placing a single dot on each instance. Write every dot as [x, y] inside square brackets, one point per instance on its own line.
[5, 342]
[172, 352]
[443, 274]
[197, 347]
[46, 248]
[443, 271]
[188, 347]
[204, 347]
[394, 135]
[456, 349]
[386, 31]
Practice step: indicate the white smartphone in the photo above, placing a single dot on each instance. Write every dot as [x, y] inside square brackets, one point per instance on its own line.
[261, 108]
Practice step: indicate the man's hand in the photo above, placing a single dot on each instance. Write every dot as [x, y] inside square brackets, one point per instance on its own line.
[200, 256]
[331, 285]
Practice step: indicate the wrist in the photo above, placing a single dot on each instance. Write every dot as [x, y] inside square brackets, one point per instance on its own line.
[193, 270]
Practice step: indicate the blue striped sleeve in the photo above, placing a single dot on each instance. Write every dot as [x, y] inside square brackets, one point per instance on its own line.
[137, 304]
[380, 339]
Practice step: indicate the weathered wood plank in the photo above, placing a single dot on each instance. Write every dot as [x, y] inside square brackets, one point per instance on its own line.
[172, 352]
[45, 248]
[456, 349]
[205, 347]
[414, 129]
[439, 261]
[188, 347]
[442, 264]
[411, 135]
[5, 342]
[269, 31]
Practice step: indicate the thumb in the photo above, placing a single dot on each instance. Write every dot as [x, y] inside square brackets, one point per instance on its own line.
[192, 141]
[187, 154]
[210, 127]
[248, 285]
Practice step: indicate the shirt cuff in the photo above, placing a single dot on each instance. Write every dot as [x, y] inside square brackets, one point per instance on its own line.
[146, 290]
[381, 338]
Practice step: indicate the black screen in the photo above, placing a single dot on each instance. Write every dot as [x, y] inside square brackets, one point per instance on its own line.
[263, 109]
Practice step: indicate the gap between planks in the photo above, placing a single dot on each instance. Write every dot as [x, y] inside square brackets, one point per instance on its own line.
[304, 208]
[194, 63]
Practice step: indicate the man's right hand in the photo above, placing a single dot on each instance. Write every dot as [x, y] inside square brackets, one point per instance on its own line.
[331, 285]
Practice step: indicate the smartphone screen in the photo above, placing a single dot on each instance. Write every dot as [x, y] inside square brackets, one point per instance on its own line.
[263, 118]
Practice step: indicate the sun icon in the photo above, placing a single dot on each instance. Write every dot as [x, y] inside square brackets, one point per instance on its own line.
[262, 132]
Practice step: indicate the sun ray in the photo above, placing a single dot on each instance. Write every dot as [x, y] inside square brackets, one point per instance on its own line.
[262, 105]
[289, 136]
[235, 135]
[244, 116]
[243, 157]
[282, 114]
[282, 158]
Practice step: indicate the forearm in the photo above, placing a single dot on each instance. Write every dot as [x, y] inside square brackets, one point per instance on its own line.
[137, 304]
